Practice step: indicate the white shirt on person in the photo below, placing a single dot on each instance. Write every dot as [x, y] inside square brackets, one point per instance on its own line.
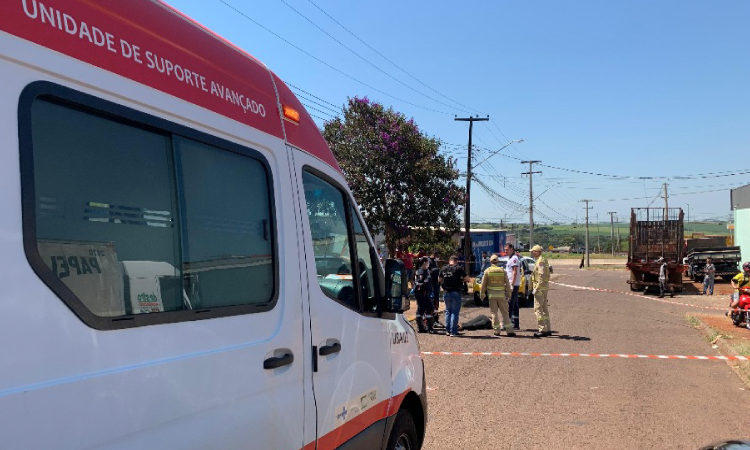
[514, 261]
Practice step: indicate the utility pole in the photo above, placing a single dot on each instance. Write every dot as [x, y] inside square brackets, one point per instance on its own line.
[612, 233]
[467, 209]
[618, 234]
[666, 219]
[531, 173]
[588, 261]
[598, 236]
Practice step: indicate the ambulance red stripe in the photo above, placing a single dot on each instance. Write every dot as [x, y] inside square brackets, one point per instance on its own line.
[353, 427]
[239, 88]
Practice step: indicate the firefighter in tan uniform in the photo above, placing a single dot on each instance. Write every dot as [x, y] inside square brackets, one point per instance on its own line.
[496, 285]
[540, 285]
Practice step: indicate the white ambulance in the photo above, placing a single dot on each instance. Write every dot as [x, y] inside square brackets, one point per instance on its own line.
[183, 265]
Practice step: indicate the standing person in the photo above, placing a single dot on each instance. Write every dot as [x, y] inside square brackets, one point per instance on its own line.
[485, 262]
[408, 260]
[708, 278]
[540, 283]
[473, 264]
[663, 278]
[513, 269]
[435, 287]
[425, 308]
[452, 276]
[740, 281]
[497, 286]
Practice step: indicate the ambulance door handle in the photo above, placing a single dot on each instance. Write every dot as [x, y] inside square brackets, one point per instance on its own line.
[330, 349]
[278, 361]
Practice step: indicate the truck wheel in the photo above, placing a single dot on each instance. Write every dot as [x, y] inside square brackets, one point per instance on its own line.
[404, 433]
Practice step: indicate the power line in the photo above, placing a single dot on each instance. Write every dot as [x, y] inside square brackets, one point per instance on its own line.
[322, 105]
[311, 95]
[375, 66]
[327, 64]
[318, 110]
[391, 62]
[630, 177]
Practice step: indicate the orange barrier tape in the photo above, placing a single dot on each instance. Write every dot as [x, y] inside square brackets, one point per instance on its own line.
[590, 355]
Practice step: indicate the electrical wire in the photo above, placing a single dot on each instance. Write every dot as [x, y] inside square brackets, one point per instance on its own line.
[375, 66]
[311, 95]
[335, 69]
[387, 59]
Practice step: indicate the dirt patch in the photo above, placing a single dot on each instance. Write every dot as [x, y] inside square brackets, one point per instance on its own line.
[727, 338]
[721, 287]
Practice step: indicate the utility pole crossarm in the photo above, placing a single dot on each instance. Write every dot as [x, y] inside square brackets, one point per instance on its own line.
[531, 173]
[467, 209]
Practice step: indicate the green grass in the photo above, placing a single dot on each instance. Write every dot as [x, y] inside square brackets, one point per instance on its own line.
[713, 335]
[743, 349]
[693, 321]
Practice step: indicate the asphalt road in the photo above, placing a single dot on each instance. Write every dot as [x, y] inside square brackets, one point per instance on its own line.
[551, 402]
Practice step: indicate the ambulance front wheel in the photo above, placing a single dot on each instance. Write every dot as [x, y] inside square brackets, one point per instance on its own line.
[404, 433]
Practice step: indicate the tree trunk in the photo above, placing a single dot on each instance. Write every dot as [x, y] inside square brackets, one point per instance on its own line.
[390, 242]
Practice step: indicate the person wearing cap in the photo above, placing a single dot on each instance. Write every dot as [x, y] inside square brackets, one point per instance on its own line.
[740, 281]
[540, 286]
[496, 285]
[663, 282]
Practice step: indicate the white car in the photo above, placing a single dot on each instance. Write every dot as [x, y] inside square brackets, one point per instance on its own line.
[183, 264]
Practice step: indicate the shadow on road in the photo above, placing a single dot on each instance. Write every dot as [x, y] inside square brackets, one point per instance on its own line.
[566, 337]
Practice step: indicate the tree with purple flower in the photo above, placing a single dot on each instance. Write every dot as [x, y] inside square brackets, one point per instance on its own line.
[402, 184]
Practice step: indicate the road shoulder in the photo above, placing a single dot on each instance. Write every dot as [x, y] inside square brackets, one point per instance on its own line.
[726, 338]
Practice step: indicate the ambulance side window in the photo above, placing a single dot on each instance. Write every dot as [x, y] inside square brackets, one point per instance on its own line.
[366, 274]
[105, 209]
[227, 253]
[132, 220]
[326, 212]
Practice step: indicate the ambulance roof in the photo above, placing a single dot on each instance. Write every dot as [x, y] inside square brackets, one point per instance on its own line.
[150, 42]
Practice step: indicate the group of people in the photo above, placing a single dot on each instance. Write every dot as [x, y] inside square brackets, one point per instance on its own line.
[499, 284]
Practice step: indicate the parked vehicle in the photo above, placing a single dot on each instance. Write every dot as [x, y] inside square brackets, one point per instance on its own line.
[741, 316]
[184, 266]
[725, 259]
[655, 233]
[525, 297]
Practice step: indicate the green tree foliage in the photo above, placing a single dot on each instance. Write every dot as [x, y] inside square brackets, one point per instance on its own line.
[398, 178]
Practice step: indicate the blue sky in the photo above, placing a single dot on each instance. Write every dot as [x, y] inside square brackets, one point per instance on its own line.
[624, 87]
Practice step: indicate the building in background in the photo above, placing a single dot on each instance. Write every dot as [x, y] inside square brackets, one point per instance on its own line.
[740, 198]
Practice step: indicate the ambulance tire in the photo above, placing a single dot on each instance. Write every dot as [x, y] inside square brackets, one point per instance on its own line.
[404, 433]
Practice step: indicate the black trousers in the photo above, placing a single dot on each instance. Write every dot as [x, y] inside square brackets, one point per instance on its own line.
[424, 304]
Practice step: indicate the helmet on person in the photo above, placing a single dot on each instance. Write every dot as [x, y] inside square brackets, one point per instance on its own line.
[746, 266]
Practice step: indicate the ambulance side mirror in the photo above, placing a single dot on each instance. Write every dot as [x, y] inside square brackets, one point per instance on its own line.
[396, 287]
